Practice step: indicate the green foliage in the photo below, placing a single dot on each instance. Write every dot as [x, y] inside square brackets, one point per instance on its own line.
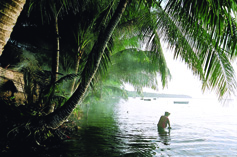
[42, 93]
[216, 17]
[200, 51]
[202, 33]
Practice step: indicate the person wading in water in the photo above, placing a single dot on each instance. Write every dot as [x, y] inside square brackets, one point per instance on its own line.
[162, 124]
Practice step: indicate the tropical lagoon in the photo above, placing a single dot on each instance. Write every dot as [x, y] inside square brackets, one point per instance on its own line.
[64, 67]
[203, 127]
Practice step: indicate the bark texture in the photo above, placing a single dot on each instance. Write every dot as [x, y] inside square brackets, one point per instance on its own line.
[57, 49]
[9, 12]
[76, 71]
[58, 117]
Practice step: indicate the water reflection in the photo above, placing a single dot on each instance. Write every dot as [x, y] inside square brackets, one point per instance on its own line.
[164, 136]
[131, 130]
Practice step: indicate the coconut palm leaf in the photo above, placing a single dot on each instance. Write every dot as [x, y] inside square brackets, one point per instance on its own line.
[219, 72]
[59, 100]
[67, 77]
[131, 41]
[156, 25]
[191, 45]
[158, 58]
[107, 89]
[215, 57]
[216, 17]
[134, 66]
[181, 45]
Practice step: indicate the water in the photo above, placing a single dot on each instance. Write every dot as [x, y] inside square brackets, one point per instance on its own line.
[201, 128]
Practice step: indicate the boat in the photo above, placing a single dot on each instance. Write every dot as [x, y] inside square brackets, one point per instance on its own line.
[181, 102]
[147, 99]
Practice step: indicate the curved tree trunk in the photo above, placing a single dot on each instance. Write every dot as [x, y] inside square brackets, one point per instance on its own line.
[58, 117]
[9, 12]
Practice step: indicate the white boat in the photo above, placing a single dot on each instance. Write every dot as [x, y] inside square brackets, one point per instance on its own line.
[181, 102]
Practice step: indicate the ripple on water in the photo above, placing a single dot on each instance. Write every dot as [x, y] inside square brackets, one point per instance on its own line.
[195, 131]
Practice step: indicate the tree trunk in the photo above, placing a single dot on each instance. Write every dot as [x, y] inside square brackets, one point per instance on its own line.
[58, 117]
[9, 12]
[76, 69]
[58, 48]
[55, 66]
[55, 62]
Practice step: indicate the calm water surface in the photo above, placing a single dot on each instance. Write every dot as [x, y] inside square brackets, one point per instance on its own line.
[201, 128]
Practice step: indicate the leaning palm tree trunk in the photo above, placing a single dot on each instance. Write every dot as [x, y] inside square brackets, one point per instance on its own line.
[9, 12]
[58, 117]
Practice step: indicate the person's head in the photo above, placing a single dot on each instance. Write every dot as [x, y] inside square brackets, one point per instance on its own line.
[167, 114]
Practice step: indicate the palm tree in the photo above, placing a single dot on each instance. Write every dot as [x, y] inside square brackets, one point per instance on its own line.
[58, 117]
[129, 64]
[204, 47]
[8, 18]
[197, 24]
[50, 12]
[213, 43]
[181, 44]
[133, 64]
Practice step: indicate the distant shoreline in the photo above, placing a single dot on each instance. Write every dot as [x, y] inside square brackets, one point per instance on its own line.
[156, 95]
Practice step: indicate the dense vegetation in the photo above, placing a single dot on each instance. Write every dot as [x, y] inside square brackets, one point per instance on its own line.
[72, 52]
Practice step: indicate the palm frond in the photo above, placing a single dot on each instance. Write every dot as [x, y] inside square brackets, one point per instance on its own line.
[198, 47]
[135, 67]
[216, 17]
[170, 33]
[116, 90]
[209, 12]
[157, 56]
[66, 78]
[219, 73]
[59, 100]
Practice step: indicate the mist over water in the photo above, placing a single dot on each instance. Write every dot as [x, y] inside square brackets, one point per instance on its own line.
[203, 127]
